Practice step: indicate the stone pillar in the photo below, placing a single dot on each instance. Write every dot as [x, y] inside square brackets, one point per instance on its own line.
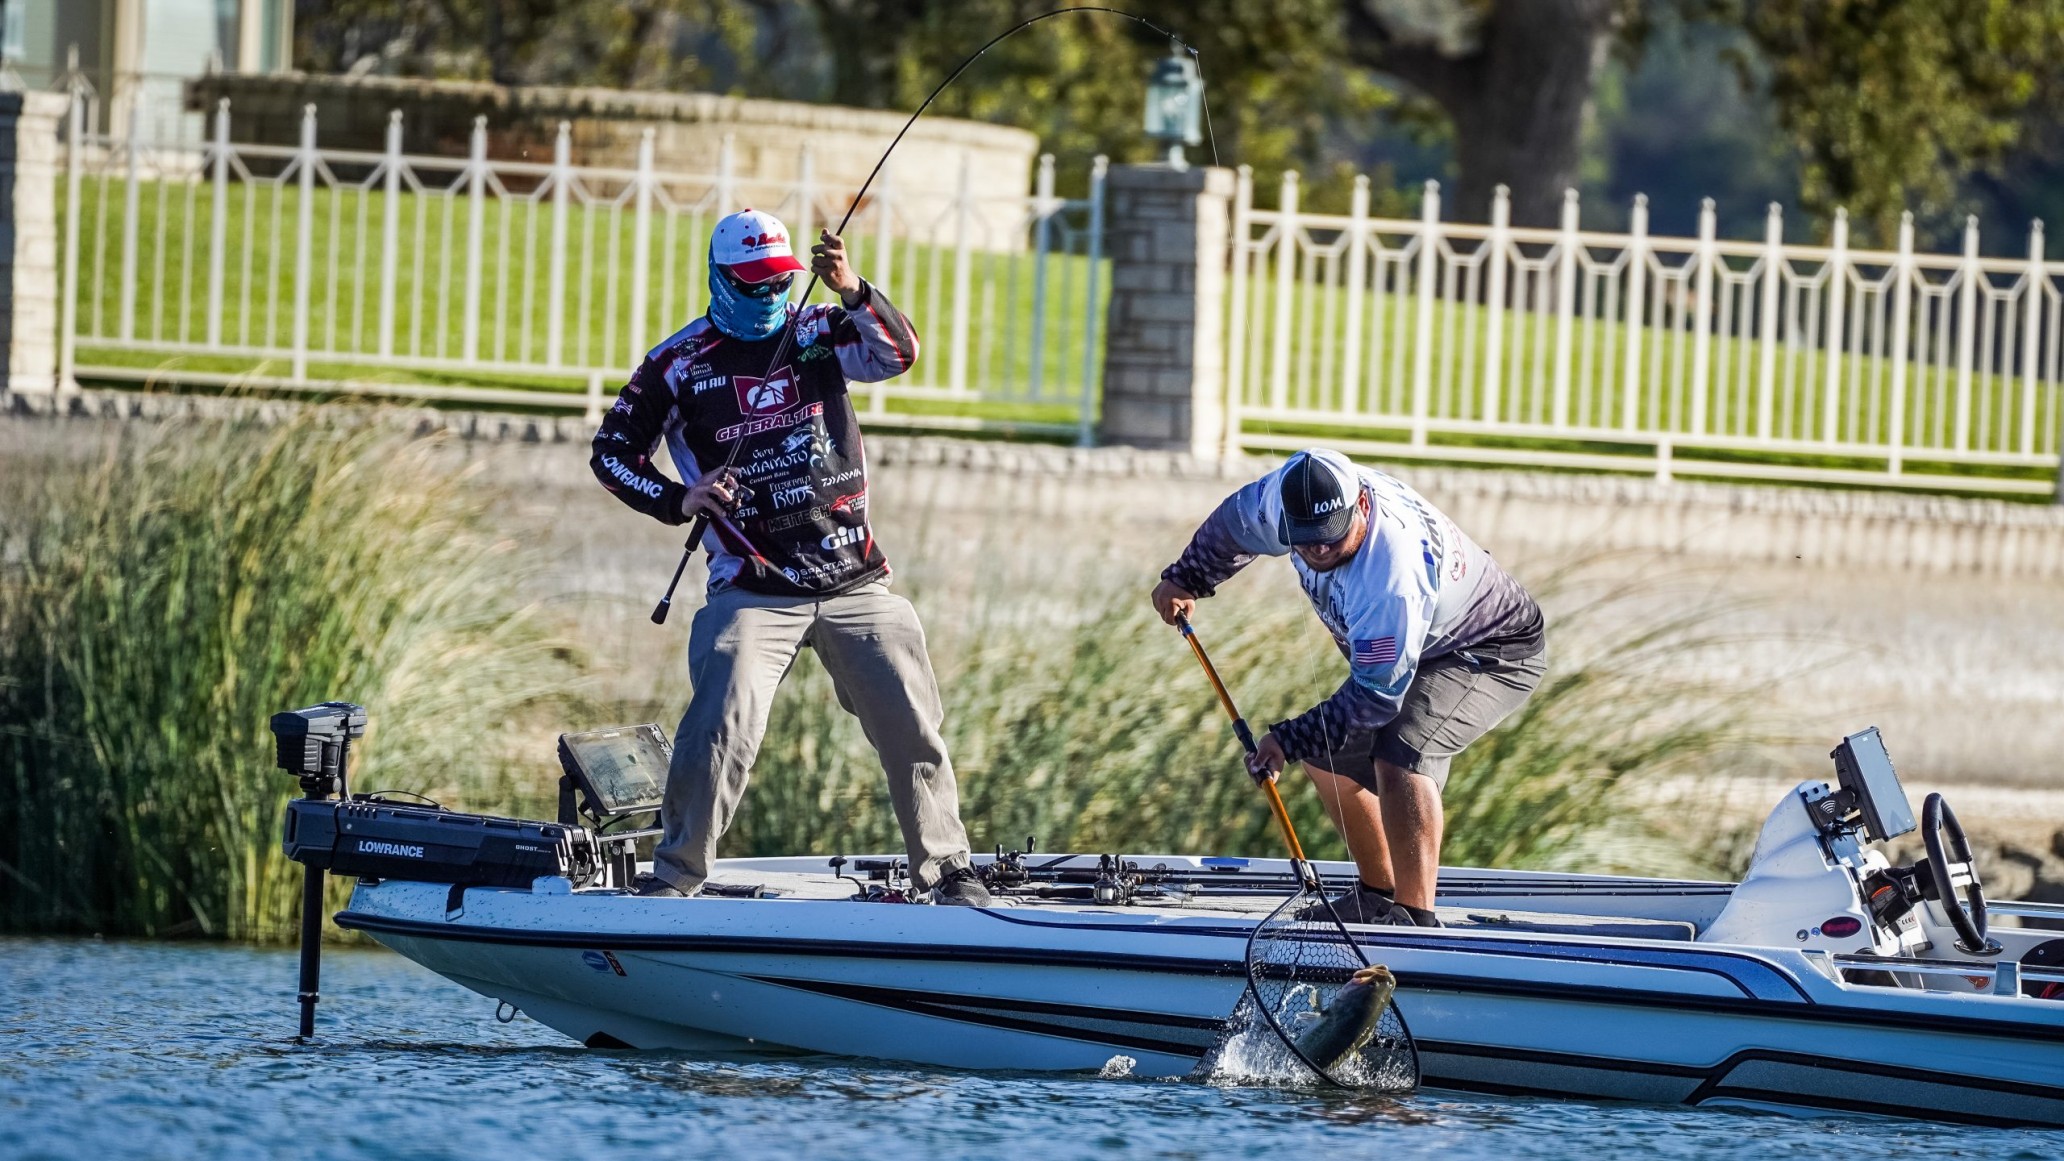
[1164, 335]
[28, 240]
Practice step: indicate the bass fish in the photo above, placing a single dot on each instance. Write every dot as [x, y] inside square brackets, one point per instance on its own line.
[1348, 1023]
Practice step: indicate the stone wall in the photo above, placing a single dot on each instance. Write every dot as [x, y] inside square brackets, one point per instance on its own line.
[690, 129]
[1865, 532]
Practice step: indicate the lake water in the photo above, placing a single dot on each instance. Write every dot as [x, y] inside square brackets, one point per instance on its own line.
[120, 1049]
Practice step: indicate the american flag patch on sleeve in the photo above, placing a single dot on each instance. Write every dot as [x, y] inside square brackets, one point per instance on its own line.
[1380, 651]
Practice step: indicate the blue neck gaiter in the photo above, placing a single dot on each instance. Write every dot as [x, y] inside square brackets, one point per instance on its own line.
[741, 315]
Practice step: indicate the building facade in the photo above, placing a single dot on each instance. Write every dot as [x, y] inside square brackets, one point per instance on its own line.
[134, 56]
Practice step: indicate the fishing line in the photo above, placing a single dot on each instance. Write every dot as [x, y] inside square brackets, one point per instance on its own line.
[702, 519]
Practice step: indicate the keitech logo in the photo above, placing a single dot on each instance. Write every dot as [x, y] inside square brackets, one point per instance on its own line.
[395, 850]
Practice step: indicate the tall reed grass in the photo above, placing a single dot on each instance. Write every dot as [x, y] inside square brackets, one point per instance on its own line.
[1104, 736]
[158, 605]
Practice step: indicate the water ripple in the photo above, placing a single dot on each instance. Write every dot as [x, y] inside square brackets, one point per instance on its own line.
[115, 1050]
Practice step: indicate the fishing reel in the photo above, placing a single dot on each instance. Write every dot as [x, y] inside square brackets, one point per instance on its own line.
[888, 880]
[1115, 882]
[1009, 870]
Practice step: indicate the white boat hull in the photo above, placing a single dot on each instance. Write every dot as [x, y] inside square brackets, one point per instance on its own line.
[1069, 988]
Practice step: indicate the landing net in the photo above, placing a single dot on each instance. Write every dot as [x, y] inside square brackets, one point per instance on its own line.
[1295, 967]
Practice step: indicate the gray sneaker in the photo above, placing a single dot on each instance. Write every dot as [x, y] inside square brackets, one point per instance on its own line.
[1357, 904]
[962, 887]
[647, 886]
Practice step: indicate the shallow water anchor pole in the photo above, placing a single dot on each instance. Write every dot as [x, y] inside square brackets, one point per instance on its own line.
[316, 787]
[311, 945]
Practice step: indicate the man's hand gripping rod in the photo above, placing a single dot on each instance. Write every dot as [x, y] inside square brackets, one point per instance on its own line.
[1305, 873]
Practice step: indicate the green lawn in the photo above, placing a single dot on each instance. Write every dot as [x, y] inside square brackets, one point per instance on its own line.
[1315, 396]
[426, 345]
[1299, 386]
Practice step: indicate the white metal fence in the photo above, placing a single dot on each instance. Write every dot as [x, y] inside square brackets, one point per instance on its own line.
[1571, 348]
[498, 281]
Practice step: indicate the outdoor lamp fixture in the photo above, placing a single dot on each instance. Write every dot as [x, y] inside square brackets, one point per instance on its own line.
[1175, 98]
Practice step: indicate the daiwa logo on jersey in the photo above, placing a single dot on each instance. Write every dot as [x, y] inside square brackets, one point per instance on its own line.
[842, 538]
[770, 396]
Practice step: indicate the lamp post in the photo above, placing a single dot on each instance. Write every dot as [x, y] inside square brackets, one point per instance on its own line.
[1175, 98]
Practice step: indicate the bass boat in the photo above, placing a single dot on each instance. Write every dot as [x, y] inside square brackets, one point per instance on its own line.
[1828, 979]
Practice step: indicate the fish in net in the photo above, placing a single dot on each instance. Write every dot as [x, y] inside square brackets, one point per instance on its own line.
[1315, 988]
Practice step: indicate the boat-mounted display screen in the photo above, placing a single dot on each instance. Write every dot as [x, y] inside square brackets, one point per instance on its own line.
[1866, 772]
[621, 770]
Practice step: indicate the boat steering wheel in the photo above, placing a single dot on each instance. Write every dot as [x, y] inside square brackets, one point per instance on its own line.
[1967, 915]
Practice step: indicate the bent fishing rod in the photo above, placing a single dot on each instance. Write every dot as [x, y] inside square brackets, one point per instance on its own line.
[701, 524]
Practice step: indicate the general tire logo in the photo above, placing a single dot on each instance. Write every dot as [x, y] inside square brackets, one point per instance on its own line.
[770, 396]
[769, 423]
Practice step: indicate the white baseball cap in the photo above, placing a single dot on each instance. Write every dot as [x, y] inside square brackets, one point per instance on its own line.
[753, 246]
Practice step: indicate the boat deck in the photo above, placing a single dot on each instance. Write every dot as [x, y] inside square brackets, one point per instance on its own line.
[1248, 905]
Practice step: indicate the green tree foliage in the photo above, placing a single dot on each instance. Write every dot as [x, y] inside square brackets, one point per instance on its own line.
[1891, 102]
[1515, 79]
[1274, 84]
[1881, 105]
[629, 44]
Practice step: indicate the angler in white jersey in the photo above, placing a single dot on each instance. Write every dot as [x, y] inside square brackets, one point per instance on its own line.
[1441, 645]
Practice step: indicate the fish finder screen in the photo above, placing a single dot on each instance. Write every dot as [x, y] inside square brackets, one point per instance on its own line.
[623, 770]
[1865, 767]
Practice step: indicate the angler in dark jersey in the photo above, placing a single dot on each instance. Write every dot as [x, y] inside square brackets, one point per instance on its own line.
[792, 557]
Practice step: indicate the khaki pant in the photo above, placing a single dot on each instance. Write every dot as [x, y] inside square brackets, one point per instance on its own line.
[740, 648]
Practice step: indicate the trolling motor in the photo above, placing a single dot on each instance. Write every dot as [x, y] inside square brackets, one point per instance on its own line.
[367, 837]
[315, 747]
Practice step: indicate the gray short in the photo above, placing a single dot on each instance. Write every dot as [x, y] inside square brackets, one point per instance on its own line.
[1453, 700]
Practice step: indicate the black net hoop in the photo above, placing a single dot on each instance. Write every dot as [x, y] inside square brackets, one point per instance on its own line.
[1295, 967]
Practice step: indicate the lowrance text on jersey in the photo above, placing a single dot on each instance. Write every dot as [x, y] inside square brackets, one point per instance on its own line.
[631, 479]
[769, 423]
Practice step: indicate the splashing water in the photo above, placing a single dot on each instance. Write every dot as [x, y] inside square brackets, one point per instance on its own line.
[1250, 1053]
